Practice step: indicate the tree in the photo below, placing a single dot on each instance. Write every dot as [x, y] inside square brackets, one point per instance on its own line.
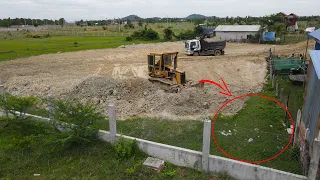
[140, 23]
[168, 33]
[198, 31]
[62, 22]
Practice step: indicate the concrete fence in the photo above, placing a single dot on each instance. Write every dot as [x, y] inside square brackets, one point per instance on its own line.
[202, 161]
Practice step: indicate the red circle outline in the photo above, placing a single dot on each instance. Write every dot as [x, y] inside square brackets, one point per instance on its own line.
[242, 160]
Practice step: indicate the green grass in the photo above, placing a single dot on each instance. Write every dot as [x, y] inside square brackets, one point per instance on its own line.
[25, 47]
[253, 121]
[25, 152]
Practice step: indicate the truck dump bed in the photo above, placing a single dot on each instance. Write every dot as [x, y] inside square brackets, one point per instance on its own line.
[208, 44]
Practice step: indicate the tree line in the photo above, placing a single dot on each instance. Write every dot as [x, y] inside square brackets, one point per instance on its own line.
[8, 22]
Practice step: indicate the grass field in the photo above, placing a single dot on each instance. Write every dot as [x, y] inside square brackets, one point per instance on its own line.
[25, 47]
[25, 152]
[15, 44]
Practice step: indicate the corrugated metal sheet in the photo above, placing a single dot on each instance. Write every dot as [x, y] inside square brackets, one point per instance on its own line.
[237, 28]
[312, 104]
[315, 34]
[315, 57]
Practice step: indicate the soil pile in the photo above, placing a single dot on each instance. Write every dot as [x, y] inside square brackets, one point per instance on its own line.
[140, 97]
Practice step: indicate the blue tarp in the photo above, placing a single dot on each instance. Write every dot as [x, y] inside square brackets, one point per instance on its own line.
[315, 58]
[269, 36]
[208, 31]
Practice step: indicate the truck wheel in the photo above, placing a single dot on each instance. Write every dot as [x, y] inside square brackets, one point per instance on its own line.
[195, 54]
[217, 52]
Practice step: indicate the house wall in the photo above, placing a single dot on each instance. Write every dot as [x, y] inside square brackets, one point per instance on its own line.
[311, 107]
[234, 35]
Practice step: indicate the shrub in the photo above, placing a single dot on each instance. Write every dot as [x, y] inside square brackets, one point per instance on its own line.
[12, 104]
[168, 33]
[146, 34]
[189, 34]
[77, 122]
[129, 38]
[47, 35]
[104, 28]
[125, 148]
[75, 44]
[198, 31]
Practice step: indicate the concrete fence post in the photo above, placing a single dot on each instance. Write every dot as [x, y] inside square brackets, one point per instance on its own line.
[50, 107]
[277, 88]
[295, 139]
[206, 145]
[281, 96]
[314, 160]
[270, 66]
[273, 81]
[3, 93]
[112, 122]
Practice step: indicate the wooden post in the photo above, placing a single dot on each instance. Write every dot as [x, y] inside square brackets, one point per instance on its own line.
[314, 160]
[112, 123]
[273, 81]
[50, 107]
[277, 88]
[206, 145]
[296, 136]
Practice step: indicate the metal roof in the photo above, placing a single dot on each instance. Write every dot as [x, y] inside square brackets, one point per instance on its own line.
[236, 28]
[315, 57]
[315, 34]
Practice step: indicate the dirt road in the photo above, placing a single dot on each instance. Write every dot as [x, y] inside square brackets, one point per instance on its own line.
[120, 76]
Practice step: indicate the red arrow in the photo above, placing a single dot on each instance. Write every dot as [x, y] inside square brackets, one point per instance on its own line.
[225, 89]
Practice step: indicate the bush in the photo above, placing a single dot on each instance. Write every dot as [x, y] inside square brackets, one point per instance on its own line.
[47, 35]
[125, 148]
[189, 34]
[77, 122]
[168, 33]
[104, 28]
[129, 38]
[75, 44]
[146, 34]
[198, 31]
[12, 104]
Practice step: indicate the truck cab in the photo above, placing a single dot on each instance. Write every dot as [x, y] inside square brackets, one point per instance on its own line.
[192, 46]
[205, 47]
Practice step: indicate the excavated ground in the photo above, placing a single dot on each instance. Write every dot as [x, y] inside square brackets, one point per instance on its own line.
[119, 76]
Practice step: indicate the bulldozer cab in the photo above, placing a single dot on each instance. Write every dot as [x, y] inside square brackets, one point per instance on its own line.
[165, 66]
[158, 63]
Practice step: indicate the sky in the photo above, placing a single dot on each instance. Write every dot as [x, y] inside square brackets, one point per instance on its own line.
[73, 10]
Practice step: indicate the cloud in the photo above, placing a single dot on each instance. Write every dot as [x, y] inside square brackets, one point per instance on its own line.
[101, 9]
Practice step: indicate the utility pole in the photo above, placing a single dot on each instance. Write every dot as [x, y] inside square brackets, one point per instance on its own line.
[167, 22]
[119, 25]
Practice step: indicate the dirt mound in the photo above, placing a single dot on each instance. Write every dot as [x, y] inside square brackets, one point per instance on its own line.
[140, 97]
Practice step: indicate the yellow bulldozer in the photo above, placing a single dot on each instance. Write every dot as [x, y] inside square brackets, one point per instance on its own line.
[162, 67]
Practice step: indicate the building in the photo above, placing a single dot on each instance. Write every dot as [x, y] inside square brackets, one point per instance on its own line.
[310, 125]
[236, 32]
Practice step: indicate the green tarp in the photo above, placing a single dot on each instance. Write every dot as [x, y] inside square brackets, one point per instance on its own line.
[287, 63]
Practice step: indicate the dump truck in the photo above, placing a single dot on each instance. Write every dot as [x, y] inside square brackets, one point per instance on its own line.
[205, 47]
